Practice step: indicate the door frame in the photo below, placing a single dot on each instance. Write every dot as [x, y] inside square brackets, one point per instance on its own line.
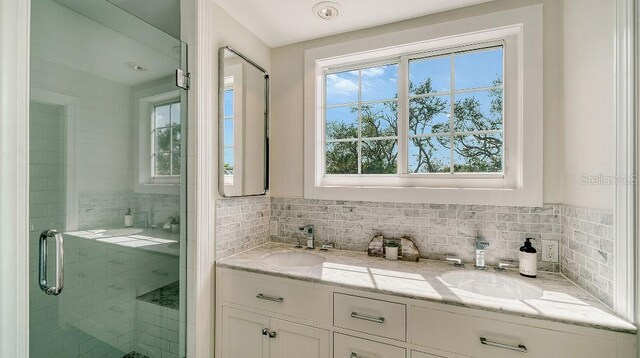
[14, 186]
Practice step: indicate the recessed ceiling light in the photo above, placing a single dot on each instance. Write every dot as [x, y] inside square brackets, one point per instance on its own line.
[326, 10]
[134, 66]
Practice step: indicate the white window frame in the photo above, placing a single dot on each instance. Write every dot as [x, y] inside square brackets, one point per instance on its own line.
[153, 178]
[147, 97]
[520, 184]
[403, 177]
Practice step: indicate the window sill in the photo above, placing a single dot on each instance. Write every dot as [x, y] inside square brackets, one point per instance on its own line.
[441, 195]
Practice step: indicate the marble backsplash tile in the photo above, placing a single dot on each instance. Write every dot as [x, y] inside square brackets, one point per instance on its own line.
[439, 230]
[585, 237]
[241, 224]
[587, 250]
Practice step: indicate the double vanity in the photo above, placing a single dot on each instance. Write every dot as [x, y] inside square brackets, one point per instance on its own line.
[278, 301]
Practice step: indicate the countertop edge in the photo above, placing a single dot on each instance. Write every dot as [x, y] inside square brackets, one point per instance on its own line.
[630, 330]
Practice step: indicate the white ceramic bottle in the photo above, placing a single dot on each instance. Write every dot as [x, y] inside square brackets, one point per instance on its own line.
[128, 218]
[528, 260]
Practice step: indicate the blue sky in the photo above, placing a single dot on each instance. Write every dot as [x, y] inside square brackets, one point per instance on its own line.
[472, 69]
[228, 126]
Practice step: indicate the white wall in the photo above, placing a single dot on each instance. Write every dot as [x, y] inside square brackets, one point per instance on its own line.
[589, 101]
[287, 99]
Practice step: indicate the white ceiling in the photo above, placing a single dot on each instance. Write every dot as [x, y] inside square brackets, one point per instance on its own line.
[164, 14]
[282, 22]
[96, 37]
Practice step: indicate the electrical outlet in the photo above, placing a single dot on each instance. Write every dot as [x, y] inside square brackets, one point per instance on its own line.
[550, 250]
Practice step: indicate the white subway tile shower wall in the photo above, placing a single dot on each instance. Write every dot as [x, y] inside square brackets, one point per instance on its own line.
[242, 224]
[156, 333]
[587, 250]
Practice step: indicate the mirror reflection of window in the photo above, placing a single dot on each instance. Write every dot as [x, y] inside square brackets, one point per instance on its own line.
[166, 139]
[228, 131]
[242, 135]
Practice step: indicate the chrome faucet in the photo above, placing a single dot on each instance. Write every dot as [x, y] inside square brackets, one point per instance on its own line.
[328, 245]
[502, 266]
[480, 247]
[309, 230]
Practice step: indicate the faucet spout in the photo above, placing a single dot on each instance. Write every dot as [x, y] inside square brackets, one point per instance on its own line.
[309, 230]
[480, 248]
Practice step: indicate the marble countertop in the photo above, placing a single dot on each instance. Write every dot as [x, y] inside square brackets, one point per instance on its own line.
[558, 300]
[153, 240]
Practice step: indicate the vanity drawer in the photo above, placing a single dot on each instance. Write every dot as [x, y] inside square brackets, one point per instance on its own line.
[380, 318]
[480, 337]
[351, 347]
[277, 295]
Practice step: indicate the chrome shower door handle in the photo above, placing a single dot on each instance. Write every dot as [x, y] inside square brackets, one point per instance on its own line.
[59, 281]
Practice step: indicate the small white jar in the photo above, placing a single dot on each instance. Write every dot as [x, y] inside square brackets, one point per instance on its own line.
[391, 253]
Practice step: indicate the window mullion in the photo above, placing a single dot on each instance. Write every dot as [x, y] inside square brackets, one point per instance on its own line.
[170, 140]
[359, 121]
[451, 114]
[403, 116]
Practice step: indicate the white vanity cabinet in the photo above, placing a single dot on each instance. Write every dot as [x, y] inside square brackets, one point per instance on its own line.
[267, 316]
[354, 347]
[481, 337]
[252, 335]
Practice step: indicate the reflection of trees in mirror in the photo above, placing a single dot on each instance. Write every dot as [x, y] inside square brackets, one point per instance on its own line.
[477, 142]
[228, 169]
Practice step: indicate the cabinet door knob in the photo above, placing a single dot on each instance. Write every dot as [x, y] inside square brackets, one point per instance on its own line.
[265, 331]
[272, 334]
[353, 355]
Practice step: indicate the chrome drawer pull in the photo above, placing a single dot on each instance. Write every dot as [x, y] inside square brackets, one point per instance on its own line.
[269, 298]
[519, 348]
[367, 318]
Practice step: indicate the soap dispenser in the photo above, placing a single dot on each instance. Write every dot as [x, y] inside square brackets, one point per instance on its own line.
[528, 259]
[128, 218]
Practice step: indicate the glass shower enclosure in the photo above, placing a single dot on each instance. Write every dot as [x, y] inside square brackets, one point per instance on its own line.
[107, 184]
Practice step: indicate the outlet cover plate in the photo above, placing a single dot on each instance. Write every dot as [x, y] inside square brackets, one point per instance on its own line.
[550, 250]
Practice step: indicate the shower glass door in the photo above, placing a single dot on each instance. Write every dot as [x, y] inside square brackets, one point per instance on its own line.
[107, 174]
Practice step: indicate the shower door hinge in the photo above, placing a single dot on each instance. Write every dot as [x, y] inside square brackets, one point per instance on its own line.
[183, 79]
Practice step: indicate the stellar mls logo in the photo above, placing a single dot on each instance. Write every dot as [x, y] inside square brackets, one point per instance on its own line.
[601, 179]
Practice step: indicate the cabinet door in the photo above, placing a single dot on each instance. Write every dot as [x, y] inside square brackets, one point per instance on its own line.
[242, 334]
[296, 340]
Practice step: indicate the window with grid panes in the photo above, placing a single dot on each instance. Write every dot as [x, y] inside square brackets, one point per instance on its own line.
[425, 114]
[166, 140]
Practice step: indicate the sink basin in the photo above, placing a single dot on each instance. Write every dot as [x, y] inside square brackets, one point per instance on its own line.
[293, 259]
[492, 285]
